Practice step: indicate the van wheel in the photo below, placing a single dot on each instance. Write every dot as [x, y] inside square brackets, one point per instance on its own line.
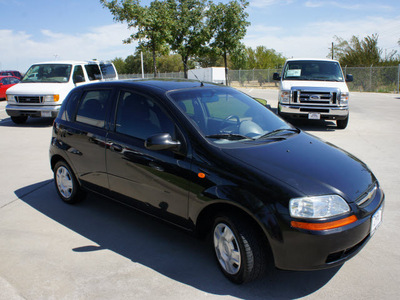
[66, 184]
[239, 250]
[19, 119]
[342, 124]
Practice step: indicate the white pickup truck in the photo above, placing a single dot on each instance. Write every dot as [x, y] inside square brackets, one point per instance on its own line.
[314, 89]
[45, 86]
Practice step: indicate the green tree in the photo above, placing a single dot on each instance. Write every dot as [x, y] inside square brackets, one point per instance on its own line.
[228, 26]
[356, 52]
[188, 31]
[151, 22]
[119, 64]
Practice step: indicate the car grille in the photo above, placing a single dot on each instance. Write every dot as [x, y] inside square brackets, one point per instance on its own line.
[314, 96]
[367, 197]
[29, 99]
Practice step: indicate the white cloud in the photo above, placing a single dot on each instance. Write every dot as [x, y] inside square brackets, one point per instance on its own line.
[20, 49]
[265, 3]
[315, 39]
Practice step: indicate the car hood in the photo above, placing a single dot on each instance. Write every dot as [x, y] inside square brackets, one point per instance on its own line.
[308, 164]
[31, 88]
[288, 84]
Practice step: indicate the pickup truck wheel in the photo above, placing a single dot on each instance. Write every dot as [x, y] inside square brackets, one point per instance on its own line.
[19, 119]
[342, 124]
[238, 249]
[66, 184]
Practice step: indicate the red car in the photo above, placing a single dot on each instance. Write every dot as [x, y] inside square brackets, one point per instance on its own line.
[5, 83]
[11, 73]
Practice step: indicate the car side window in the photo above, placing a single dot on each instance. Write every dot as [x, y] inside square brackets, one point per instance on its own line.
[78, 74]
[140, 116]
[14, 80]
[93, 72]
[92, 108]
[68, 109]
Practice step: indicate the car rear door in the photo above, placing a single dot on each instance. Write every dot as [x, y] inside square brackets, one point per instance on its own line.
[153, 181]
[85, 137]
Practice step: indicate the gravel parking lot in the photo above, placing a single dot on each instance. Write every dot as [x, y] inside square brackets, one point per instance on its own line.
[101, 250]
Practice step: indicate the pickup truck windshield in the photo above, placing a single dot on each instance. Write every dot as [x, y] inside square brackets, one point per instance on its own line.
[313, 70]
[48, 73]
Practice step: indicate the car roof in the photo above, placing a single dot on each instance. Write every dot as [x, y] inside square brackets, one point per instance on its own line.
[70, 62]
[164, 84]
[311, 59]
[6, 76]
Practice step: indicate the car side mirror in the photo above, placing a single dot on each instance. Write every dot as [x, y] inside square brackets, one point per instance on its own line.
[276, 76]
[1, 84]
[349, 78]
[161, 141]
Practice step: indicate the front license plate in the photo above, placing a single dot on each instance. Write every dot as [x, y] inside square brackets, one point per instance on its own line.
[46, 114]
[376, 220]
[314, 116]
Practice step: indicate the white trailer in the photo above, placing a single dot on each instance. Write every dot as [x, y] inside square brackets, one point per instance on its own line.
[213, 74]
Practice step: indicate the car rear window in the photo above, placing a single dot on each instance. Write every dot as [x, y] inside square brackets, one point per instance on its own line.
[92, 108]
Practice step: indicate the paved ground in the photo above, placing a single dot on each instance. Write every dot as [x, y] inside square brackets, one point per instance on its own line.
[100, 250]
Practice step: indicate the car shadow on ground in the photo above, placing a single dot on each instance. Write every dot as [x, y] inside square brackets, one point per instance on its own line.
[31, 122]
[162, 247]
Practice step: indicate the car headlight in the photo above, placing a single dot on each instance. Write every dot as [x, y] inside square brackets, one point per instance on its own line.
[284, 96]
[11, 98]
[51, 98]
[344, 98]
[318, 207]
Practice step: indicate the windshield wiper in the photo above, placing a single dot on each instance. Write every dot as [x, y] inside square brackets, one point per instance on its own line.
[229, 136]
[278, 131]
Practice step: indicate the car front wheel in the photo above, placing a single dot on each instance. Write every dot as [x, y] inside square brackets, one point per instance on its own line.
[240, 252]
[342, 124]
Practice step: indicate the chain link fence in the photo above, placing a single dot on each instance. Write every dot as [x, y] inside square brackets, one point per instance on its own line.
[366, 79]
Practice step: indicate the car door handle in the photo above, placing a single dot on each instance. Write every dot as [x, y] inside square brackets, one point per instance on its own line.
[116, 147]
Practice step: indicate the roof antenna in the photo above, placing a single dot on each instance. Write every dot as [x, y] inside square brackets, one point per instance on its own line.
[201, 82]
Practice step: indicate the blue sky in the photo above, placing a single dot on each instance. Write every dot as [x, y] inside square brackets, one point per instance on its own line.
[42, 30]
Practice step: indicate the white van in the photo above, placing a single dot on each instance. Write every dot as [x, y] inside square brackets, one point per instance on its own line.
[314, 89]
[45, 86]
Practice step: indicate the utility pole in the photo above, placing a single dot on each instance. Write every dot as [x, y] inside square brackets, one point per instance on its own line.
[332, 50]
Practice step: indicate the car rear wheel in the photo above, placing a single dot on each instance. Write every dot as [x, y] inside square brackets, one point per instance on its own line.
[240, 252]
[19, 119]
[66, 184]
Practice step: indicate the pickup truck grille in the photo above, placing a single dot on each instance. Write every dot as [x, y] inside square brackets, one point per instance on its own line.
[315, 96]
[29, 99]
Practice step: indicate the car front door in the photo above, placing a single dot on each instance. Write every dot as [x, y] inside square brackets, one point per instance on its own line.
[153, 181]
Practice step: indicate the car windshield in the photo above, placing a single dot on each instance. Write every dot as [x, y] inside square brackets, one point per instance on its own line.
[313, 70]
[225, 115]
[48, 73]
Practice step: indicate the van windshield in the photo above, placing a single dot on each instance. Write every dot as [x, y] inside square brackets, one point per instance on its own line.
[313, 70]
[48, 73]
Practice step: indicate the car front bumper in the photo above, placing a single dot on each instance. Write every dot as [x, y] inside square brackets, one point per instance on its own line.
[306, 112]
[32, 111]
[302, 250]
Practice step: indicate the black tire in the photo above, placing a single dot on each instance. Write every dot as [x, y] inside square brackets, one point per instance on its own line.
[66, 184]
[240, 251]
[19, 119]
[342, 124]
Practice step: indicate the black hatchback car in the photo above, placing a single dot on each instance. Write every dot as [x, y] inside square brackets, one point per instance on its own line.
[213, 160]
